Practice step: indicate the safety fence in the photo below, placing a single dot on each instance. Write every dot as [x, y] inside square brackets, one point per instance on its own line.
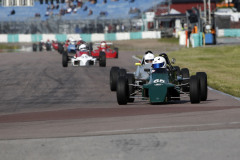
[28, 38]
[228, 33]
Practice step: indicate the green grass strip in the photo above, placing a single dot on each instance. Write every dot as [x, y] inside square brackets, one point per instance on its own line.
[9, 46]
[169, 40]
[221, 63]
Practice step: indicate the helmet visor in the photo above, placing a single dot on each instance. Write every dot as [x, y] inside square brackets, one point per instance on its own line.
[149, 61]
[158, 65]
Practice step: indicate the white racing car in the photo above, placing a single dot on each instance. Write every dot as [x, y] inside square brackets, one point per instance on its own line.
[82, 58]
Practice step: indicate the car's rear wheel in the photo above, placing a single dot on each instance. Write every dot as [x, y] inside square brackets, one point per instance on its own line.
[194, 89]
[203, 85]
[185, 74]
[113, 78]
[48, 47]
[65, 59]
[34, 47]
[177, 70]
[60, 48]
[131, 89]
[122, 90]
[90, 46]
[40, 47]
[116, 49]
[102, 59]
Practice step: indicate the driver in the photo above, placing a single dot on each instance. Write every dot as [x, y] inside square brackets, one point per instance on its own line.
[80, 41]
[103, 44]
[146, 64]
[83, 47]
[159, 62]
[72, 41]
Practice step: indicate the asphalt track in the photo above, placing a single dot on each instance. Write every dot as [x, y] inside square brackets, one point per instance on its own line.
[42, 101]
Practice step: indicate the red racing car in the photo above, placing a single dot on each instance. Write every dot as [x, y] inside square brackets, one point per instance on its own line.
[107, 49]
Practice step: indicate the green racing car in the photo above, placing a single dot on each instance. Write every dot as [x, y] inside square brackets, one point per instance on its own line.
[165, 83]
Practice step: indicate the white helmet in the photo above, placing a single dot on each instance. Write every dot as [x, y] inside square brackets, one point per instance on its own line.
[148, 57]
[72, 41]
[82, 47]
[79, 39]
[159, 62]
[103, 44]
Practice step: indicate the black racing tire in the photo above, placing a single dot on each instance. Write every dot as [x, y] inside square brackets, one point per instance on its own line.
[40, 47]
[65, 59]
[185, 74]
[116, 49]
[122, 72]
[34, 47]
[131, 88]
[203, 85]
[113, 78]
[102, 59]
[60, 48]
[90, 46]
[48, 47]
[195, 94]
[122, 90]
[177, 69]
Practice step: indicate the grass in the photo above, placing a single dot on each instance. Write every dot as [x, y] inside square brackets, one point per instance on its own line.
[9, 46]
[222, 65]
[169, 40]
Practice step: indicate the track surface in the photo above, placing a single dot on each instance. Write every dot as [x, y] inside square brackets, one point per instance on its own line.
[41, 99]
[36, 82]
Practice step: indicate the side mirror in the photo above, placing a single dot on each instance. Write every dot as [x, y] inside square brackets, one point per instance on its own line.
[173, 60]
[137, 64]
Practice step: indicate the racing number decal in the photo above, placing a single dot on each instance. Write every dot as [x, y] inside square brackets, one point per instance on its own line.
[159, 81]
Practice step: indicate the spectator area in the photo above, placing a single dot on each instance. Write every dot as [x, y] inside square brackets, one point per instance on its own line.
[112, 9]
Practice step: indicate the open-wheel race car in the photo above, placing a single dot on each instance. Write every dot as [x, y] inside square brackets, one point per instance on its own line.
[105, 48]
[165, 83]
[42, 46]
[70, 45]
[58, 46]
[82, 57]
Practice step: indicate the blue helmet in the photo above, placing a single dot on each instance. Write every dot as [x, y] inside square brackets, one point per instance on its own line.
[159, 62]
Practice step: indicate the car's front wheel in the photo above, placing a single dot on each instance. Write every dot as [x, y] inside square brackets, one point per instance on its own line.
[34, 47]
[203, 85]
[122, 90]
[194, 89]
[113, 78]
[65, 59]
[102, 59]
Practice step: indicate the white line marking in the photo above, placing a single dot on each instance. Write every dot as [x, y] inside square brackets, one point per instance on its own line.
[237, 98]
[136, 58]
[163, 127]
